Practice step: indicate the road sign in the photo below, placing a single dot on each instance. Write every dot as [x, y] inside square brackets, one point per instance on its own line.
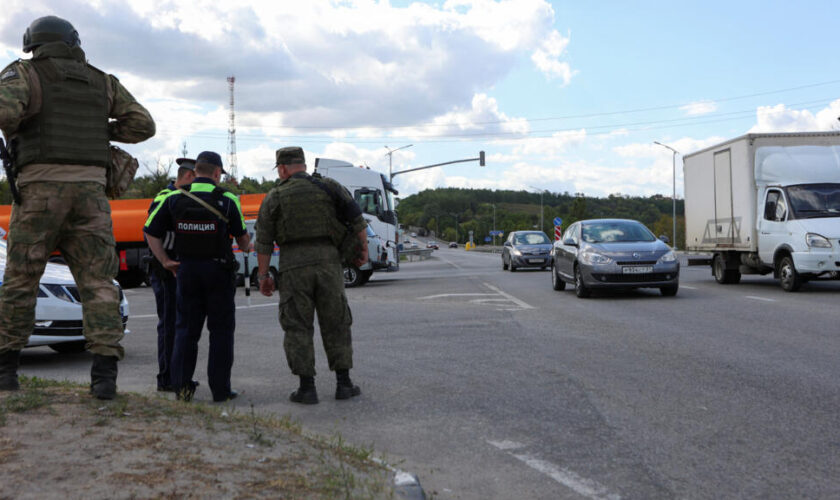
[558, 221]
[558, 233]
[487, 239]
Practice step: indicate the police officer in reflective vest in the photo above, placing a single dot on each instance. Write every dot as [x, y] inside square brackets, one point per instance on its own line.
[163, 281]
[309, 218]
[203, 218]
[59, 113]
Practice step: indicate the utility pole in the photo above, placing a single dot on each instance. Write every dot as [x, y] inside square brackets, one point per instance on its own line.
[231, 169]
[390, 154]
[494, 224]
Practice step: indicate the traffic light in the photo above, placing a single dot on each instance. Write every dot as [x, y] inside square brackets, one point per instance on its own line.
[481, 158]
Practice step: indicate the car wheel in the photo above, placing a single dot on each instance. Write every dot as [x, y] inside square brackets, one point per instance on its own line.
[504, 265]
[352, 277]
[669, 291]
[557, 283]
[69, 347]
[580, 287]
[722, 275]
[366, 276]
[789, 277]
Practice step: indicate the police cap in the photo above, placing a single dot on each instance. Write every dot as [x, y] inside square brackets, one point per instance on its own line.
[290, 155]
[187, 163]
[210, 158]
[50, 29]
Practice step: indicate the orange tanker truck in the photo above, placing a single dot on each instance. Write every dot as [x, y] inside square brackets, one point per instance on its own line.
[128, 218]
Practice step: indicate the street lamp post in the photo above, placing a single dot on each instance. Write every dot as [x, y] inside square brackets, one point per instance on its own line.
[541, 206]
[390, 155]
[494, 224]
[674, 196]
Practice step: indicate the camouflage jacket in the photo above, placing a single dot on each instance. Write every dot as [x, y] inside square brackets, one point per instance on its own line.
[20, 98]
[303, 253]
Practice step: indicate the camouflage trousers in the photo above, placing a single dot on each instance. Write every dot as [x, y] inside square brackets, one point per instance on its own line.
[75, 218]
[303, 291]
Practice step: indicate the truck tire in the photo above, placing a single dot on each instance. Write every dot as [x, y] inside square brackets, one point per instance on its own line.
[557, 282]
[789, 277]
[352, 277]
[723, 275]
[366, 276]
[131, 278]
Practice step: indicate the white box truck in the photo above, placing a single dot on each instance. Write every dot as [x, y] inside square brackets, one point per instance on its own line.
[766, 203]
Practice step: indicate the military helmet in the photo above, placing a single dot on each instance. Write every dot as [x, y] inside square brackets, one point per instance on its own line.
[50, 29]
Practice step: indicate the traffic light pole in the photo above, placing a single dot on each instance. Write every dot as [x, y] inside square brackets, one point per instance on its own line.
[480, 161]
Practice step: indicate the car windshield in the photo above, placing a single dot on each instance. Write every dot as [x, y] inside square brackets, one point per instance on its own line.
[532, 239]
[815, 200]
[616, 231]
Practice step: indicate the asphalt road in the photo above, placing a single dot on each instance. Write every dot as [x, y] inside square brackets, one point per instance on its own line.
[489, 384]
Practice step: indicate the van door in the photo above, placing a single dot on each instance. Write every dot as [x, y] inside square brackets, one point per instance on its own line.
[724, 226]
[773, 229]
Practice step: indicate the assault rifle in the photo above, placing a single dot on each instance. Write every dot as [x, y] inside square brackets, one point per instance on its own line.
[9, 167]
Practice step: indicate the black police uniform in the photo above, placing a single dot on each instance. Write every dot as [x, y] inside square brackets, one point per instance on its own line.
[163, 286]
[205, 281]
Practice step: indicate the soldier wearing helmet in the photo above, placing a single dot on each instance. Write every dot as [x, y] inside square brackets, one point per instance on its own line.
[59, 114]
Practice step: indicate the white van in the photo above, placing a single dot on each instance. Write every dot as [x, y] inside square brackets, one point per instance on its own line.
[767, 203]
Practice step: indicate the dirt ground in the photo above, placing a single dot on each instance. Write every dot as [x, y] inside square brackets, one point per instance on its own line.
[57, 442]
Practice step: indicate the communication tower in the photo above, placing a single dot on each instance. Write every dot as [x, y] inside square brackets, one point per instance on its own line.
[231, 163]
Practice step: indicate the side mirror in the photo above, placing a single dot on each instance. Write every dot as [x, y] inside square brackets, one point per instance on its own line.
[570, 242]
[664, 239]
[507, 244]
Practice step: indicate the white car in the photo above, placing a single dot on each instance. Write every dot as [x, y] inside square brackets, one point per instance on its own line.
[58, 310]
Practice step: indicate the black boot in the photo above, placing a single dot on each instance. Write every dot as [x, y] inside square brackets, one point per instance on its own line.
[103, 377]
[9, 362]
[306, 393]
[344, 388]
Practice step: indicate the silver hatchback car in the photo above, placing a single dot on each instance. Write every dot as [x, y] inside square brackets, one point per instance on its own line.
[613, 253]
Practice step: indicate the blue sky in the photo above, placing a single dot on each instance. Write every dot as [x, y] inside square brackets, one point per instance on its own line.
[547, 89]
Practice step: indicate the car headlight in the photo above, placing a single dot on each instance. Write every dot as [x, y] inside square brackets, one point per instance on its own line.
[669, 256]
[814, 240]
[593, 258]
[516, 252]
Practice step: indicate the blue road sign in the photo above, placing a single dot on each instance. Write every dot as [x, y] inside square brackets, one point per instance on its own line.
[487, 239]
[558, 221]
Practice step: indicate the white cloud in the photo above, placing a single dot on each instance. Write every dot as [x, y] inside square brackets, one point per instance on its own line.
[780, 118]
[699, 108]
[547, 58]
[547, 147]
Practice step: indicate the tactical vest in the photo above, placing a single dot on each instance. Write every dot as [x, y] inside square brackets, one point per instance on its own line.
[198, 233]
[307, 213]
[72, 126]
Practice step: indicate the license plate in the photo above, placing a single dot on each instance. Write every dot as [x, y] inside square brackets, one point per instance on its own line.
[535, 261]
[636, 269]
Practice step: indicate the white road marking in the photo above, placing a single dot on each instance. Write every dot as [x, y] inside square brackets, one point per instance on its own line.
[688, 287]
[522, 304]
[506, 445]
[753, 297]
[442, 295]
[456, 266]
[581, 485]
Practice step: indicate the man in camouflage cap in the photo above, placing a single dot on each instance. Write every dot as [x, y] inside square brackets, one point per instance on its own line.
[59, 114]
[307, 217]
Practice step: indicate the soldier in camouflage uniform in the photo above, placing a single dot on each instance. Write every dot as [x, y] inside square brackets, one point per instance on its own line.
[60, 114]
[307, 217]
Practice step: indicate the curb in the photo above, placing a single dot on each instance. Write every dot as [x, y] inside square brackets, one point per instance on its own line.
[406, 484]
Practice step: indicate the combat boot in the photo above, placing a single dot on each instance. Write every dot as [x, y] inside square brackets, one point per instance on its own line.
[306, 393]
[344, 388]
[9, 362]
[103, 377]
